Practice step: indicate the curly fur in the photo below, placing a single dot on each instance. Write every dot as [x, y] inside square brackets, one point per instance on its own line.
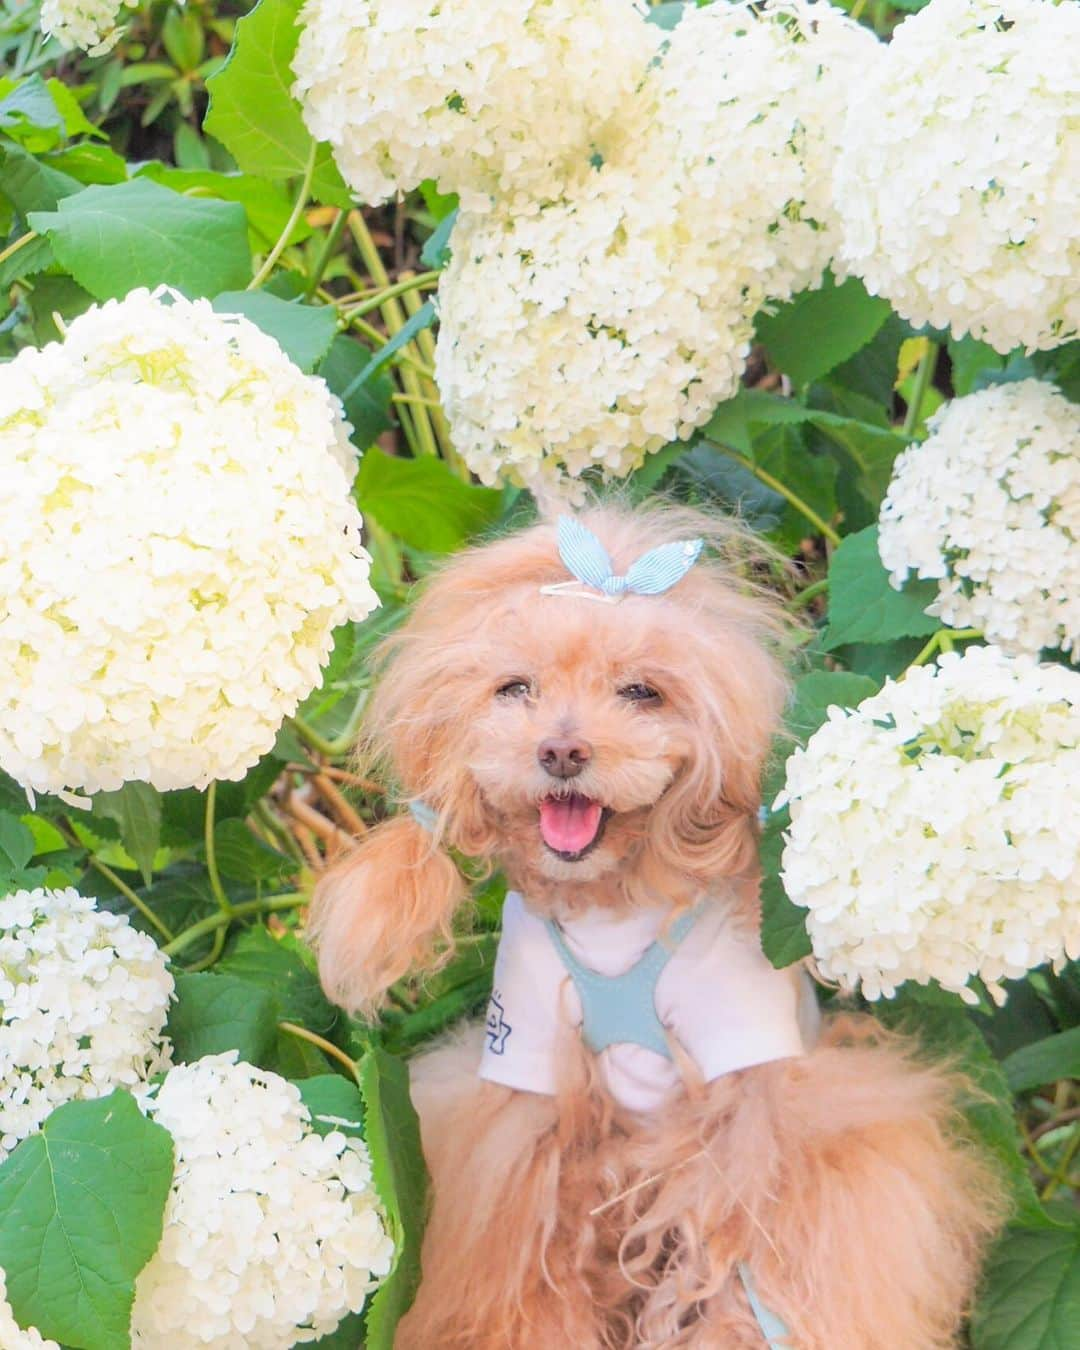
[841, 1177]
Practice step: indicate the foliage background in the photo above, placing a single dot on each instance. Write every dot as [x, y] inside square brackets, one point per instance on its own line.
[168, 160]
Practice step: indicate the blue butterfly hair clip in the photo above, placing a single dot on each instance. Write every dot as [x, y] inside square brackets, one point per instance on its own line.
[587, 562]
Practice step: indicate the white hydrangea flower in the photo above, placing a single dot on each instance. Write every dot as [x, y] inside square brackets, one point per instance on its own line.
[590, 330]
[12, 1336]
[935, 829]
[484, 98]
[959, 180]
[177, 543]
[273, 1234]
[989, 507]
[83, 1002]
[93, 25]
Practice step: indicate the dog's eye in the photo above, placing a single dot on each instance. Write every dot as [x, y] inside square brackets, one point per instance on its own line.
[514, 689]
[639, 693]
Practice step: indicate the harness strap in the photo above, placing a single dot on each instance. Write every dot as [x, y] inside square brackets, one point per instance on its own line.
[621, 1009]
[772, 1328]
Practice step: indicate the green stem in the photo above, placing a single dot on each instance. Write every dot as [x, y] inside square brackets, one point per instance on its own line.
[1061, 1172]
[945, 636]
[132, 897]
[290, 225]
[224, 903]
[811, 593]
[285, 839]
[211, 957]
[333, 238]
[342, 743]
[373, 335]
[923, 376]
[327, 1047]
[22, 242]
[241, 911]
[804, 508]
[392, 292]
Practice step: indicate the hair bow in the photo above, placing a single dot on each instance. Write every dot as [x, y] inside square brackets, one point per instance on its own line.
[586, 559]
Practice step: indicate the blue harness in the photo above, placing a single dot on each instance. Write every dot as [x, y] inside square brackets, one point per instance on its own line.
[621, 1009]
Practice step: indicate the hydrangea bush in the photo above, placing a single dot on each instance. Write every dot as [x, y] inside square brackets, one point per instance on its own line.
[295, 304]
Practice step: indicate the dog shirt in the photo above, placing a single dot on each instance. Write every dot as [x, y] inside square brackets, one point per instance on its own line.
[628, 983]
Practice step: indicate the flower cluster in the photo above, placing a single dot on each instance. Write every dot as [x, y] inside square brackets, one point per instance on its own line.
[272, 1231]
[93, 25]
[959, 181]
[177, 543]
[989, 506]
[593, 328]
[935, 829]
[486, 99]
[83, 1001]
[12, 1336]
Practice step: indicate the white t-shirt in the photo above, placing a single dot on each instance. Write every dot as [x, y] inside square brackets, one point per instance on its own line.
[718, 997]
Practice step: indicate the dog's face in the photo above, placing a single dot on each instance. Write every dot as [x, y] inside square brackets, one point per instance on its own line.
[571, 739]
[588, 717]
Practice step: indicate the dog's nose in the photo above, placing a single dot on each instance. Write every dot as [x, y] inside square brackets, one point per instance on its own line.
[563, 757]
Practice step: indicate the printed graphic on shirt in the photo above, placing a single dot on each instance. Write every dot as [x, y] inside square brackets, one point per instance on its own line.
[496, 1027]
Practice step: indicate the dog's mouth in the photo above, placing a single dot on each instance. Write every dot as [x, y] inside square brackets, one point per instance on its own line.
[572, 825]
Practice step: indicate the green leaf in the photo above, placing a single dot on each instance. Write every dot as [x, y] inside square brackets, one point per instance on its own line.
[1031, 1292]
[267, 205]
[32, 257]
[416, 323]
[216, 1012]
[31, 185]
[397, 1161]
[436, 252]
[368, 406]
[81, 1208]
[819, 329]
[89, 163]
[243, 857]
[16, 841]
[1047, 1061]
[970, 359]
[863, 607]
[334, 1103]
[112, 239]
[136, 808]
[784, 938]
[303, 332]
[422, 501]
[278, 966]
[252, 111]
[29, 105]
[76, 122]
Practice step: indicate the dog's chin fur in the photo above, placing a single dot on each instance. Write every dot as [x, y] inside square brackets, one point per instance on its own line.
[838, 1176]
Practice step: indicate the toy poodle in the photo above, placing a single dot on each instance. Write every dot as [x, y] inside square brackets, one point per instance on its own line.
[653, 1139]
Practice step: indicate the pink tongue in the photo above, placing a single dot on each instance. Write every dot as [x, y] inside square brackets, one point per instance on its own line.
[569, 824]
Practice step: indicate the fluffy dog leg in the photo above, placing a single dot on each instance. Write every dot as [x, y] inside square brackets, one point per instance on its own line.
[496, 1275]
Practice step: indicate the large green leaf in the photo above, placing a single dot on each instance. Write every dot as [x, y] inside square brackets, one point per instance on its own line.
[81, 1208]
[368, 404]
[252, 111]
[863, 606]
[393, 1138]
[1046, 1061]
[1031, 1292]
[266, 204]
[422, 501]
[278, 966]
[215, 1012]
[819, 329]
[136, 808]
[112, 239]
[303, 332]
[31, 185]
[16, 842]
[784, 938]
[244, 857]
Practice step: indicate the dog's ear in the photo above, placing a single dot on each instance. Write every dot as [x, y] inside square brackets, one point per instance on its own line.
[382, 910]
[707, 822]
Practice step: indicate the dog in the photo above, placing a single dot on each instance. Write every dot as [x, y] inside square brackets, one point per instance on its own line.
[618, 1159]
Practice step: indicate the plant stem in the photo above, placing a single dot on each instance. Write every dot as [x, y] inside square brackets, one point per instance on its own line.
[923, 376]
[333, 238]
[131, 896]
[811, 593]
[945, 636]
[290, 225]
[212, 955]
[22, 242]
[377, 301]
[373, 335]
[1061, 1173]
[342, 743]
[224, 903]
[410, 398]
[327, 1047]
[241, 911]
[763, 476]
